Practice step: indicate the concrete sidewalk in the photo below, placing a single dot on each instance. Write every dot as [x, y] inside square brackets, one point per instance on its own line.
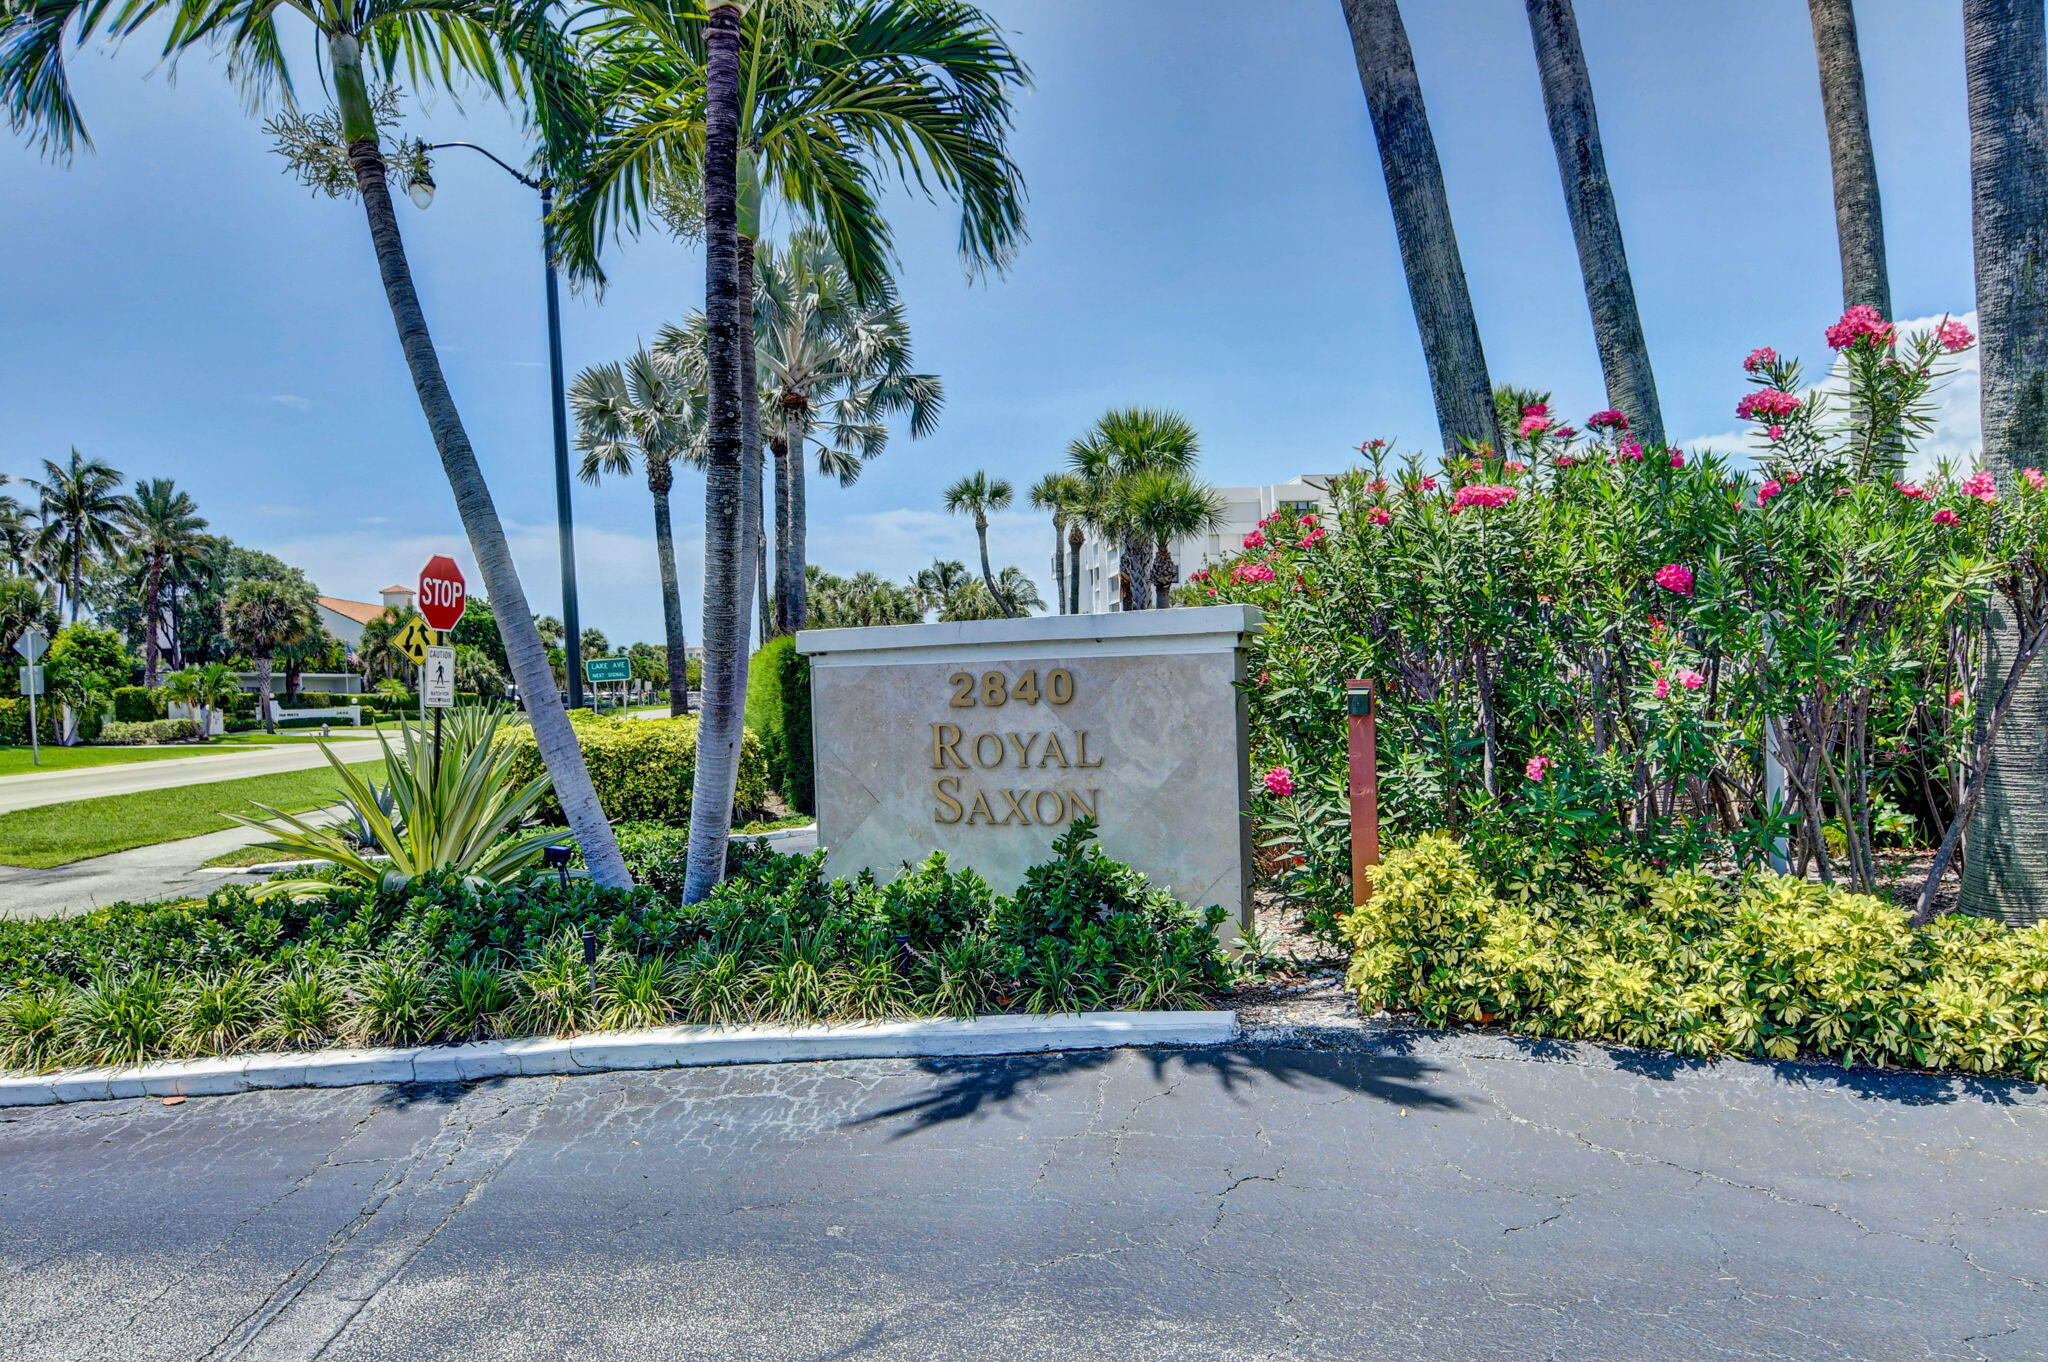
[168, 870]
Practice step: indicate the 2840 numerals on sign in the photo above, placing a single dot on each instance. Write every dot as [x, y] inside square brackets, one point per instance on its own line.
[992, 690]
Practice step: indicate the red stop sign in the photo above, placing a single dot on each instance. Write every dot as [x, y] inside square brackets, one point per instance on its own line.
[443, 593]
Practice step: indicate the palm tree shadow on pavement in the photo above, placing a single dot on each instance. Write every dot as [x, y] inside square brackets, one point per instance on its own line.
[969, 1089]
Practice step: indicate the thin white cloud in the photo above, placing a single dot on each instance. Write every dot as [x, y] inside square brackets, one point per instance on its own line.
[292, 400]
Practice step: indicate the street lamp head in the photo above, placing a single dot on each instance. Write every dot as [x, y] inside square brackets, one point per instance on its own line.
[421, 190]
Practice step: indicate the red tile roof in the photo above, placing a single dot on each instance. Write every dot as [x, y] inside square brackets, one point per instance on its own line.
[362, 612]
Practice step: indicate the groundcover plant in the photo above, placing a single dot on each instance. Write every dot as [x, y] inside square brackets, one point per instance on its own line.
[1583, 648]
[438, 957]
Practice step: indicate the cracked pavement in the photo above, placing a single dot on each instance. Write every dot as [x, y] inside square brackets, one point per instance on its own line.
[1404, 1195]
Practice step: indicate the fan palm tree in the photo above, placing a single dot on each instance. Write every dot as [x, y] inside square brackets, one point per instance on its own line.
[21, 605]
[1596, 226]
[168, 536]
[833, 369]
[1422, 223]
[1063, 495]
[835, 93]
[1859, 216]
[648, 412]
[933, 585]
[511, 48]
[260, 618]
[79, 511]
[981, 496]
[862, 599]
[377, 649]
[1016, 594]
[205, 688]
[1165, 504]
[2005, 49]
[1125, 442]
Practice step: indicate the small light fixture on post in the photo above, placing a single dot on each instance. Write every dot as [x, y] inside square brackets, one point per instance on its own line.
[421, 190]
[556, 858]
[1362, 744]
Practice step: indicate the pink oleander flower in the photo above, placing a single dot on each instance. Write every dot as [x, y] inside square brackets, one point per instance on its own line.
[1955, 697]
[1761, 358]
[1678, 458]
[1313, 538]
[1945, 516]
[1954, 336]
[1256, 539]
[1564, 461]
[1514, 466]
[1766, 402]
[1308, 518]
[1629, 451]
[1483, 494]
[1691, 679]
[1380, 515]
[1775, 434]
[1537, 768]
[1663, 689]
[1768, 490]
[1858, 323]
[1982, 486]
[1564, 432]
[1912, 491]
[1610, 419]
[1536, 409]
[1251, 572]
[1280, 781]
[1429, 483]
[1675, 577]
[1532, 425]
[1368, 446]
[2032, 477]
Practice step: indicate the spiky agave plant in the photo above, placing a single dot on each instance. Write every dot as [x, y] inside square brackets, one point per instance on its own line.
[451, 810]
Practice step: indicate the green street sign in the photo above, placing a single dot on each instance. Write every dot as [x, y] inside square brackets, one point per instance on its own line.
[597, 669]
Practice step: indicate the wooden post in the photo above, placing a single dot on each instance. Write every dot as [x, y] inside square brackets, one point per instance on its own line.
[1363, 743]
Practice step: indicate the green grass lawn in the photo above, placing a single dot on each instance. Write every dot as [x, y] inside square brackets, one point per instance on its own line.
[292, 735]
[58, 834]
[15, 761]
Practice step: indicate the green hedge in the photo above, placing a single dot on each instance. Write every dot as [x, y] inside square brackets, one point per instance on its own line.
[14, 722]
[328, 699]
[137, 705]
[1773, 967]
[642, 768]
[779, 713]
[148, 733]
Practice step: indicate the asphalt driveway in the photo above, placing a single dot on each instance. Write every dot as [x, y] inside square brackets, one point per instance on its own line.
[1424, 1197]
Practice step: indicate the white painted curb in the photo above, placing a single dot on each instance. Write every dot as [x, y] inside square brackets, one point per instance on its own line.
[662, 1048]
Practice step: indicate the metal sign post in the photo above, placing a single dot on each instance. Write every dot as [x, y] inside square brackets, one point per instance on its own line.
[32, 644]
[1362, 741]
[437, 692]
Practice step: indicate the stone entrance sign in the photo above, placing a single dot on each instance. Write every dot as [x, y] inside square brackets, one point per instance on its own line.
[985, 739]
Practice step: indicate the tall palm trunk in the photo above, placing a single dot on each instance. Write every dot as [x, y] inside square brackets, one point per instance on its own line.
[1076, 540]
[778, 462]
[1859, 217]
[797, 612]
[1164, 574]
[152, 624]
[1422, 222]
[988, 576]
[2005, 51]
[727, 562]
[552, 733]
[1059, 565]
[263, 666]
[750, 456]
[1596, 226]
[661, 478]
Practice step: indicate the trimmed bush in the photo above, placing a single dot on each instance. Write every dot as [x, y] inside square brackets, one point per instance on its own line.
[137, 705]
[329, 699]
[642, 769]
[1772, 967]
[779, 713]
[14, 722]
[149, 733]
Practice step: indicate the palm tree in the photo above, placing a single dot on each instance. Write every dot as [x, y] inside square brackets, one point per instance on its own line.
[980, 496]
[1596, 226]
[1163, 505]
[205, 688]
[862, 599]
[1125, 442]
[835, 93]
[1064, 495]
[377, 649]
[1016, 594]
[932, 586]
[260, 618]
[21, 604]
[2005, 49]
[168, 536]
[1422, 222]
[1859, 217]
[834, 365]
[646, 411]
[510, 48]
[79, 513]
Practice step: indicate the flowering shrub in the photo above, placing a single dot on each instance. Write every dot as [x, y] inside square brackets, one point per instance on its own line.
[1649, 627]
[1776, 967]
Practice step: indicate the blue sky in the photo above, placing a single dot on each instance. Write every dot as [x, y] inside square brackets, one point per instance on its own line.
[1209, 232]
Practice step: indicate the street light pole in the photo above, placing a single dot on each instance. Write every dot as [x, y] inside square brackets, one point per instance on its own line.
[572, 633]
